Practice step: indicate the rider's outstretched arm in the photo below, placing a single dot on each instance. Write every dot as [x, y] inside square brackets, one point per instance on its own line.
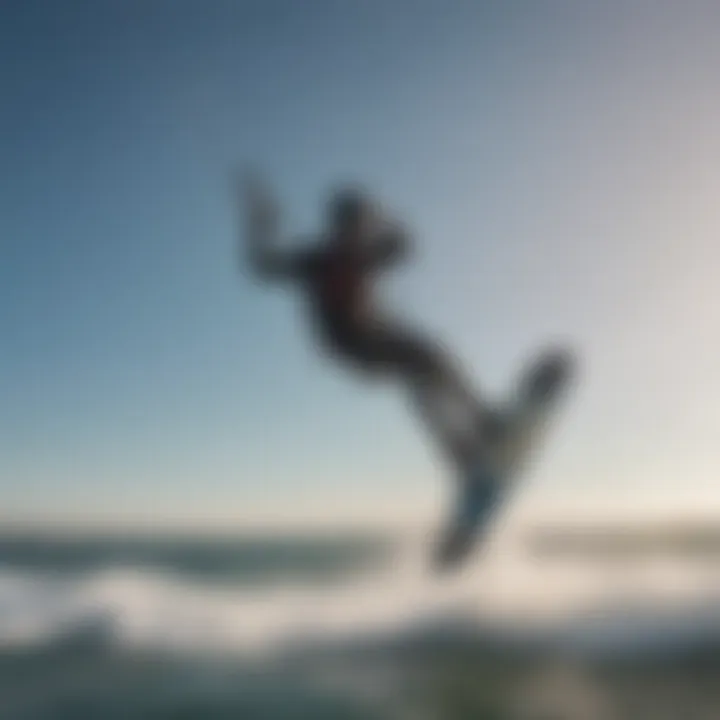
[261, 224]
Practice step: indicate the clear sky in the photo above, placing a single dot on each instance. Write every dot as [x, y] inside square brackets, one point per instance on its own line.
[559, 162]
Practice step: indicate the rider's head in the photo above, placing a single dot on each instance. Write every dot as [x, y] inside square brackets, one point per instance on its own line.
[350, 215]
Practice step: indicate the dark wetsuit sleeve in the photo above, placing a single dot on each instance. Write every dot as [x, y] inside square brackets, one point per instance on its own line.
[389, 247]
[267, 260]
[271, 263]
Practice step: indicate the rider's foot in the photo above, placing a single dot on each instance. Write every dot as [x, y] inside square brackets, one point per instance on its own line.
[493, 426]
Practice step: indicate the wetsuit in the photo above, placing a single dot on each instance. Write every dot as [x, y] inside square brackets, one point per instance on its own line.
[338, 283]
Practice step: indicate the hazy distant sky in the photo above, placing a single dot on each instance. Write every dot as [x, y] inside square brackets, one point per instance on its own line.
[558, 160]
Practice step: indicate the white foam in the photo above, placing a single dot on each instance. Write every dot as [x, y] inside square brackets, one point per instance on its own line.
[138, 607]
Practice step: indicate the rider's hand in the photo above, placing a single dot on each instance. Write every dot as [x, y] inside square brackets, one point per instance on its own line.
[259, 205]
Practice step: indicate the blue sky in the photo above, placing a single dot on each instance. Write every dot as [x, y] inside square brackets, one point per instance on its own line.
[558, 162]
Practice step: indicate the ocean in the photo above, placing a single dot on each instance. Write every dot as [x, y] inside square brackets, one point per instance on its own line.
[347, 626]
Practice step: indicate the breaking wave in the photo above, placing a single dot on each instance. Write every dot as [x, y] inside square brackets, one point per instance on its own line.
[137, 606]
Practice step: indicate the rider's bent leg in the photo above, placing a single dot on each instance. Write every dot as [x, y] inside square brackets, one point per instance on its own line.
[443, 397]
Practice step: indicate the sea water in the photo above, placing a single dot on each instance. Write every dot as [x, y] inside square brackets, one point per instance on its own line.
[346, 626]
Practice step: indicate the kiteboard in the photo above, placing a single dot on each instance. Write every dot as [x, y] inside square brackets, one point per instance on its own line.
[501, 455]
